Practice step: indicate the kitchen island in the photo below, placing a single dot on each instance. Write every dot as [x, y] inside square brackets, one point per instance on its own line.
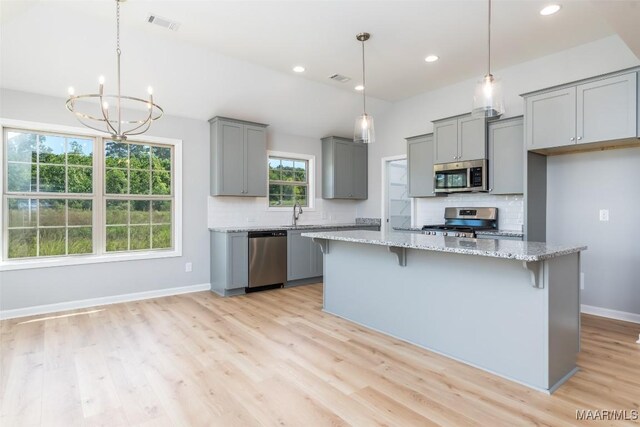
[509, 307]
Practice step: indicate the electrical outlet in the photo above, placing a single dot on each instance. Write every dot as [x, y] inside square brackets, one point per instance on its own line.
[188, 267]
[604, 214]
[324, 215]
[582, 281]
[251, 219]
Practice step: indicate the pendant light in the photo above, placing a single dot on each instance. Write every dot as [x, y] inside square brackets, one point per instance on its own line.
[487, 98]
[109, 119]
[363, 129]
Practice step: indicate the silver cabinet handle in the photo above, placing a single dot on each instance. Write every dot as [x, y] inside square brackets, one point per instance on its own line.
[572, 139]
[579, 138]
[491, 189]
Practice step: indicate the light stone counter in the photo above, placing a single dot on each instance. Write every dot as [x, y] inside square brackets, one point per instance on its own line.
[510, 249]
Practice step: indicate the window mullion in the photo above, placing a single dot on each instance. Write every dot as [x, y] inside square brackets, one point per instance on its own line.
[99, 201]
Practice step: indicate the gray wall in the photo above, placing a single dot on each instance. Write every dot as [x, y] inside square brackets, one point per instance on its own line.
[24, 288]
[578, 186]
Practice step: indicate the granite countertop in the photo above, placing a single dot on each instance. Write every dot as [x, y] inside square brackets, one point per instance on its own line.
[241, 228]
[508, 249]
[505, 233]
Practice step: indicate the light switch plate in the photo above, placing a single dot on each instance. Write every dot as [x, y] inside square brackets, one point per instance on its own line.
[188, 267]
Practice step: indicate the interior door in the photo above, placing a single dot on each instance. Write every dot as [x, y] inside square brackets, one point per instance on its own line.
[398, 201]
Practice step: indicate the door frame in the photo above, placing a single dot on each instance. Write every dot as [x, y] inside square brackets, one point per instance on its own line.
[384, 209]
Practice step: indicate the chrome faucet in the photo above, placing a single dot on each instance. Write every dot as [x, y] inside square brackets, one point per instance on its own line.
[296, 213]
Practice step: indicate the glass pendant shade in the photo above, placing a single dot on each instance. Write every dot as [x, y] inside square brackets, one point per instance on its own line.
[363, 130]
[487, 98]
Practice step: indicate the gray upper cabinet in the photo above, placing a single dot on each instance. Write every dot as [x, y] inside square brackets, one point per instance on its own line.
[238, 158]
[603, 109]
[344, 169]
[420, 152]
[607, 109]
[551, 119]
[460, 138]
[506, 156]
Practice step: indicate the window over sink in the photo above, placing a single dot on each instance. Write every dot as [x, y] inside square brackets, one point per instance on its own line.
[290, 180]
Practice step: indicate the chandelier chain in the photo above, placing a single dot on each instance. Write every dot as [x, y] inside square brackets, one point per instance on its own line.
[118, 27]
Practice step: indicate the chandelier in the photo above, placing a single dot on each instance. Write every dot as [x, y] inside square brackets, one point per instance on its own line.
[106, 116]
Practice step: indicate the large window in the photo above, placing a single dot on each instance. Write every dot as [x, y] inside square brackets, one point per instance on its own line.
[288, 181]
[83, 196]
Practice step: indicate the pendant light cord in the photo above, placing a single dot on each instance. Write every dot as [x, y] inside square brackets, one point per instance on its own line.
[364, 86]
[489, 42]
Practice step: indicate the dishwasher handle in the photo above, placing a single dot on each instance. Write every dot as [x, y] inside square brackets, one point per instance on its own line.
[271, 233]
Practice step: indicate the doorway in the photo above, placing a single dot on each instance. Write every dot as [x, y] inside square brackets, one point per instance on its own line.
[397, 205]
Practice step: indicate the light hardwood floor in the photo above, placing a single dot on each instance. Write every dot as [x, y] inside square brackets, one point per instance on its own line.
[274, 358]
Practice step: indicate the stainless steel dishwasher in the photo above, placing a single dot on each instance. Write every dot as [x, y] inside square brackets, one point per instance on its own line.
[267, 258]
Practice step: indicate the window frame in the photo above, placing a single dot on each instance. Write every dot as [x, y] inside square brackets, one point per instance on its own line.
[98, 197]
[311, 179]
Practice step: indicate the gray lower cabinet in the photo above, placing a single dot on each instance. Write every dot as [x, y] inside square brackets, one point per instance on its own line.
[603, 109]
[238, 158]
[344, 169]
[229, 262]
[506, 156]
[304, 257]
[420, 166]
[459, 138]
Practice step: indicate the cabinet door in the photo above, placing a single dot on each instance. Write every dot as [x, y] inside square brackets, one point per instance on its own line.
[607, 109]
[238, 261]
[445, 136]
[506, 157]
[360, 171]
[472, 138]
[255, 138]
[300, 256]
[343, 169]
[420, 165]
[550, 119]
[231, 164]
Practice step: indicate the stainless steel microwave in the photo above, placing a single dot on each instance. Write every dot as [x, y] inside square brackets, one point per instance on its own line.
[461, 177]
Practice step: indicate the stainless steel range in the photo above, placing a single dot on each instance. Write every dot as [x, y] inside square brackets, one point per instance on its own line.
[464, 222]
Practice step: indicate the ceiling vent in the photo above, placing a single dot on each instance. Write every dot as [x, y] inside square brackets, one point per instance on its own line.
[339, 78]
[163, 22]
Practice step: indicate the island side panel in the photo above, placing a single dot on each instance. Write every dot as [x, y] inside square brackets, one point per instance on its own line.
[480, 310]
[563, 281]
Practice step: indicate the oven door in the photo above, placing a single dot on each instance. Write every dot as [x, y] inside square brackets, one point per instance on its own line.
[450, 180]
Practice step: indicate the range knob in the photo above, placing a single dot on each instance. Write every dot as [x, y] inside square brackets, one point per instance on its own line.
[445, 233]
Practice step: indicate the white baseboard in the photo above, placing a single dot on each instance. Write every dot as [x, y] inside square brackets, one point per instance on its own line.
[612, 314]
[92, 302]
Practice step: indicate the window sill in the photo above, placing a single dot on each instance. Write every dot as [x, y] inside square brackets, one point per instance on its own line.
[289, 209]
[87, 259]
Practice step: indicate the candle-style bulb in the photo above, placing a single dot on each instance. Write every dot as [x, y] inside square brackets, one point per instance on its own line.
[150, 90]
[105, 105]
[101, 80]
[71, 90]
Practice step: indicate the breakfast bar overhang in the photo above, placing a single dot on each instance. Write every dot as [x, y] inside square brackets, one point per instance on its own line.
[511, 308]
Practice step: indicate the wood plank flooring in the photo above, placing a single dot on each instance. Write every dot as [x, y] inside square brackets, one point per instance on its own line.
[274, 358]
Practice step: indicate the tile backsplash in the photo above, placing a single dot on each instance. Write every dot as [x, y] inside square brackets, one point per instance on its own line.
[510, 208]
[232, 211]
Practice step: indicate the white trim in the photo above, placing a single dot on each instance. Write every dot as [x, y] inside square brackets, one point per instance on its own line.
[311, 185]
[383, 204]
[611, 314]
[92, 302]
[98, 226]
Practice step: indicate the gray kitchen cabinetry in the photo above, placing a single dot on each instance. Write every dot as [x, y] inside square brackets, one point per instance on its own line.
[460, 138]
[506, 156]
[602, 109]
[420, 166]
[344, 169]
[304, 257]
[238, 158]
[229, 262]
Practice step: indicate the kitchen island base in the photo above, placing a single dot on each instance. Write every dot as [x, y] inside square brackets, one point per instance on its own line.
[515, 319]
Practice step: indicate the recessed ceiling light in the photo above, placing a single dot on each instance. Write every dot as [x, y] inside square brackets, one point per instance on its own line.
[550, 10]
[359, 87]
[298, 69]
[432, 58]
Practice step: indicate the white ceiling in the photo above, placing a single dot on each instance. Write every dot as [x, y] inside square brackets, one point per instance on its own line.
[247, 45]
